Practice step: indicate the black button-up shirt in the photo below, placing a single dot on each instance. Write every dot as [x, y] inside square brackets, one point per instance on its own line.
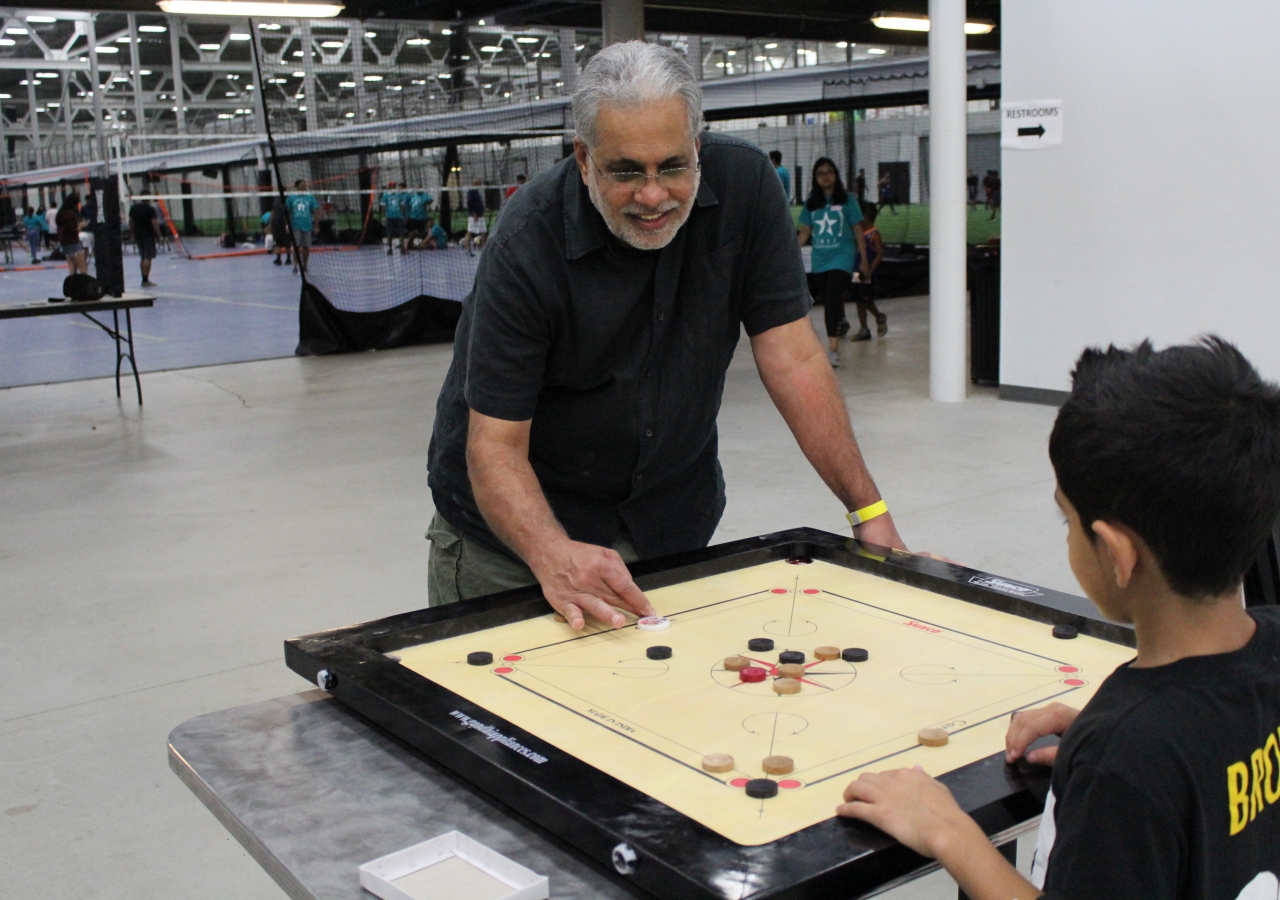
[618, 355]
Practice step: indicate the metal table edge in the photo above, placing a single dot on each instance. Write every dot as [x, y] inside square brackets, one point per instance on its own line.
[279, 873]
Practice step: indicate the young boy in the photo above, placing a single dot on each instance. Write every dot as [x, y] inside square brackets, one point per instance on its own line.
[1167, 783]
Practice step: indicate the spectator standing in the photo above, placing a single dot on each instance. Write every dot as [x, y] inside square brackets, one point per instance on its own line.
[279, 224]
[476, 228]
[993, 195]
[302, 210]
[520, 180]
[885, 186]
[870, 248]
[392, 203]
[34, 225]
[860, 186]
[419, 203]
[146, 228]
[784, 174]
[51, 224]
[827, 221]
[972, 183]
[68, 223]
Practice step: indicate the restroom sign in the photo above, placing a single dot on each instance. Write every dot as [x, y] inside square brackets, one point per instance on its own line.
[1031, 125]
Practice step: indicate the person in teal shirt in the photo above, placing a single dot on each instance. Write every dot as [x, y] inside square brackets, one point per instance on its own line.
[36, 228]
[302, 209]
[437, 239]
[784, 174]
[393, 203]
[827, 221]
[418, 203]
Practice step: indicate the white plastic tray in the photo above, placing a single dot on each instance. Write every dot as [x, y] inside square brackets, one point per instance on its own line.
[450, 867]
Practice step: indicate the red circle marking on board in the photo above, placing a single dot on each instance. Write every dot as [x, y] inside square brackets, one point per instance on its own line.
[781, 591]
[811, 590]
[789, 785]
[515, 657]
[739, 782]
[1068, 669]
[1073, 682]
[503, 670]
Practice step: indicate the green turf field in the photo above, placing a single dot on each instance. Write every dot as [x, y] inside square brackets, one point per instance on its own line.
[910, 224]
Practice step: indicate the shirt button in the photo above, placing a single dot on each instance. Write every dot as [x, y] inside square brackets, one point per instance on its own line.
[662, 317]
[648, 374]
[648, 432]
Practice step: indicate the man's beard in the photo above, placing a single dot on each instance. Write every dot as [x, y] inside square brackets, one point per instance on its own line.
[626, 231]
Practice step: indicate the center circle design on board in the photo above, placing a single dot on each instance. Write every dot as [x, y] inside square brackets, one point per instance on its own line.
[820, 676]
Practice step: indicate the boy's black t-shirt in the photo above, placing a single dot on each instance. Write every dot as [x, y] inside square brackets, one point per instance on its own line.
[1167, 785]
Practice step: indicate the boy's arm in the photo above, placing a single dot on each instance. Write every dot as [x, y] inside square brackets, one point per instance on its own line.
[920, 812]
[879, 245]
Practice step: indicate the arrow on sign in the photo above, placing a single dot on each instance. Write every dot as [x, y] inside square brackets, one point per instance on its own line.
[1038, 131]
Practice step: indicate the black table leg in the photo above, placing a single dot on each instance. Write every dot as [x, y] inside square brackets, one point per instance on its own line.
[121, 355]
[1010, 852]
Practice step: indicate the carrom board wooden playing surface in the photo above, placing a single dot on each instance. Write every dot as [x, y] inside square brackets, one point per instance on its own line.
[934, 662]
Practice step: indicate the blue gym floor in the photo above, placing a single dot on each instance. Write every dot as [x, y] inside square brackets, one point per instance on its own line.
[207, 312]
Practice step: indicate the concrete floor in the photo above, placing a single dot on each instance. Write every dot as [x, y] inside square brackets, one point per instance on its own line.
[152, 561]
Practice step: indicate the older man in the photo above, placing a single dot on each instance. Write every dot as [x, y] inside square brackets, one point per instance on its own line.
[577, 426]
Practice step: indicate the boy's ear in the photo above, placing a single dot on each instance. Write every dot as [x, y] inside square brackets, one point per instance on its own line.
[1119, 548]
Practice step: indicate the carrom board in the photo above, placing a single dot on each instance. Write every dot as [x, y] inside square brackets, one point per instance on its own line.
[934, 662]
[588, 737]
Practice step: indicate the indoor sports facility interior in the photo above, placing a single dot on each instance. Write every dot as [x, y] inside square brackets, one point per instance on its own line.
[211, 533]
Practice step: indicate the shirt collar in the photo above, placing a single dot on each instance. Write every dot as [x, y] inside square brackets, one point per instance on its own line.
[584, 227]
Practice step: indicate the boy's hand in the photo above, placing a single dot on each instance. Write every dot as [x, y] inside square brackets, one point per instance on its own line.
[908, 805]
[1029, 725]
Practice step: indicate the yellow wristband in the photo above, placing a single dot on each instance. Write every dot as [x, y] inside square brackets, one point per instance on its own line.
[858, 516]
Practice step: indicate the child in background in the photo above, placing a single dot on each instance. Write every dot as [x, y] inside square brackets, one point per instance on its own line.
[1167, 784]
[870, 249]
[34, 225]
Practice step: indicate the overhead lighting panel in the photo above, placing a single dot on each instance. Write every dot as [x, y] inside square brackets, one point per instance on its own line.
[911, 22]
[251, 8]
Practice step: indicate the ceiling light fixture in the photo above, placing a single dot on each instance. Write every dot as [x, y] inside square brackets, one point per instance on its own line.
[41, 20]
[15, 31]
[911, 22]
[236, 36]
[251, 8]
[149, 29]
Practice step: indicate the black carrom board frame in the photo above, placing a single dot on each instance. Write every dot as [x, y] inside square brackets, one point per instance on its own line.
[676, 857]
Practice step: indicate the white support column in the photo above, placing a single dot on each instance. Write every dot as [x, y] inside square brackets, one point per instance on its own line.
[568, 60]
[95, 75]
[179, 89]
[948, 78]
[309, 75]
[138, 111]
[259, 89]
[33, 119]
[356, 36]
[621, 20]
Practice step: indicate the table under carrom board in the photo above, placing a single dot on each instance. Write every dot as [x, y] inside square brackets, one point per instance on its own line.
[601, 744]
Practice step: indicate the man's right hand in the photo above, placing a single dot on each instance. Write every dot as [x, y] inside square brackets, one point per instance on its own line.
[580, 579]
[1029, 725]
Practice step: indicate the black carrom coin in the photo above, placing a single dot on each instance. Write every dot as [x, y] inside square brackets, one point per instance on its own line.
[479, 658]
[792, 657]
[1064, 632]
[762, 788]
[658, 652]
[854, 654]
[760, 645]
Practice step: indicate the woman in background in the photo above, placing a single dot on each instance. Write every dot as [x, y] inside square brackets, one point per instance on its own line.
[827, 222]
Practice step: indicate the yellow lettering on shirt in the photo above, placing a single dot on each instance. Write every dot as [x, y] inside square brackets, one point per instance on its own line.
[1238, 791]
[1255, 785]
[1269, 752]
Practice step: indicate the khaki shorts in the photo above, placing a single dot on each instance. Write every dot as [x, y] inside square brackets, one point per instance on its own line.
[461, 568]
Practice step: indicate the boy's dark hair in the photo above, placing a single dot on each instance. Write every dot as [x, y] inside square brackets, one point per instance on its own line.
[869, 211]
[1181, 445]
[775, 156]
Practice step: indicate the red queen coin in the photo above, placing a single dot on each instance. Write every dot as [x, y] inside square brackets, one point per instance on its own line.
[753, 674]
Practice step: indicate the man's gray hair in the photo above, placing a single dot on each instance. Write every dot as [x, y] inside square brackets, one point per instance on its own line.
[630, 74]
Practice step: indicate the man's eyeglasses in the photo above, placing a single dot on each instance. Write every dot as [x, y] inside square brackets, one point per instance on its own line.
[667, 179]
